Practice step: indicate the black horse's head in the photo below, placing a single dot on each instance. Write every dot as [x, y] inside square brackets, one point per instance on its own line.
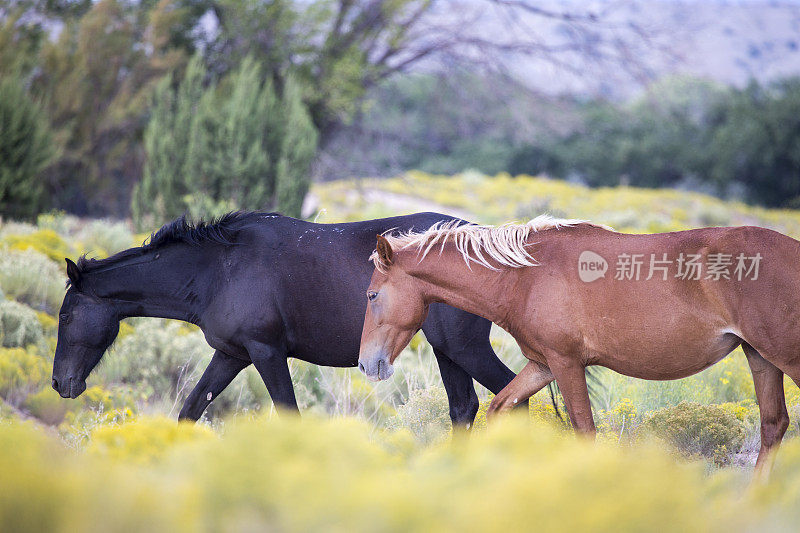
[87, 326]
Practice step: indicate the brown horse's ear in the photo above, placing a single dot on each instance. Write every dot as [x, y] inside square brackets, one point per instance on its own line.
[73, 272]
[384, 250]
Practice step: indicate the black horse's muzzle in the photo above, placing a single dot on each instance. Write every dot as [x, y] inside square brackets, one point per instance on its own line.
[69, 387]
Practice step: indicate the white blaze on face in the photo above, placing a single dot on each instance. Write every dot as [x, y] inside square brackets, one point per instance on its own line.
[591, 266]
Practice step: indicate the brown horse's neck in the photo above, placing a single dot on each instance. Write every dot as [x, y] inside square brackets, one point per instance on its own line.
[447, 278]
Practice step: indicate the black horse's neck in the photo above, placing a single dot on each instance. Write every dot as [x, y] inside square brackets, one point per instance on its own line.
[162, 278]
[158, 283]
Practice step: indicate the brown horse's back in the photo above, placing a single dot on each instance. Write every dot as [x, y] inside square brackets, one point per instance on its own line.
[652, 315]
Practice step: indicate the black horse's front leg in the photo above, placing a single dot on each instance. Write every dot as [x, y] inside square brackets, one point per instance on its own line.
[460, 391]
[218, 374]
[273, 366]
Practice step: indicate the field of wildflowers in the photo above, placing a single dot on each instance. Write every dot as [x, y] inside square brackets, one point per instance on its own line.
[371, 456]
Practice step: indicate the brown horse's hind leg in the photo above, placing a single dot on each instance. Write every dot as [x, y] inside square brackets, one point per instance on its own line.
[528, 382]
[768, 381]
[571, 378]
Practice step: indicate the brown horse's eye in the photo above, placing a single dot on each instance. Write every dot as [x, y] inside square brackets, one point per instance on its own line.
[371, 295]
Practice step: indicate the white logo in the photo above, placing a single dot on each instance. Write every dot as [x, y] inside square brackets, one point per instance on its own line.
[591, 266]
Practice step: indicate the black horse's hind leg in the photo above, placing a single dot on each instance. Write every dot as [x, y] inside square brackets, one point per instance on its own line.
[480, 362]
[217, 375]
[463, 339]
[460, 391]
[274, 369]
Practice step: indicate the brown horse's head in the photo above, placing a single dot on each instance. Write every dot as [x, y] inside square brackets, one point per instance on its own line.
[395, 312]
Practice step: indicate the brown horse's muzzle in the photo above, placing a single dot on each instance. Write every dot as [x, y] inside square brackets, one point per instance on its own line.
[376, 368]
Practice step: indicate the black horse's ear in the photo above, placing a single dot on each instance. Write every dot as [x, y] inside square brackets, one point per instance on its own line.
[73, 272]
[384, 250]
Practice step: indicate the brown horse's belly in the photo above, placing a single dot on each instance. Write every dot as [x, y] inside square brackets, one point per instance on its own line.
[668, 362]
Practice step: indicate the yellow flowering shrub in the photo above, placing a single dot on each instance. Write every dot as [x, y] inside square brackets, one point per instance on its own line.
[45, 241]
[144, 439]
[504, 198]
[48, 322]
[22, 372]
[338, 475]
[711, 431]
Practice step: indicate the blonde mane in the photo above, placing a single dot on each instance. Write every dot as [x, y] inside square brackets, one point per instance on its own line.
[505, 244]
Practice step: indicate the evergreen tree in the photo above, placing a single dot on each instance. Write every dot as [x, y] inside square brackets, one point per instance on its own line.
[299, 145]
[230, 155]
[25, 149]
[237, 143]
[166, 142]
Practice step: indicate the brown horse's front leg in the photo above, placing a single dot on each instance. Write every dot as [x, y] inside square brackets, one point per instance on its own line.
[571, 379]
[528, 382]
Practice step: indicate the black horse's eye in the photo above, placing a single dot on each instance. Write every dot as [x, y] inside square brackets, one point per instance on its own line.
[63, 316]
[371, 295]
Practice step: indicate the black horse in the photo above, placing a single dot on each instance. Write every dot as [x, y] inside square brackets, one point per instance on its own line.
[262, 287]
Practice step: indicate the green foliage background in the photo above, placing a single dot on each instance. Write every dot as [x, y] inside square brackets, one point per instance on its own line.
[25, 149]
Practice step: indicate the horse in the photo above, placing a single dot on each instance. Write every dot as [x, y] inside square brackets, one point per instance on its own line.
[262, 287]
[574, 294]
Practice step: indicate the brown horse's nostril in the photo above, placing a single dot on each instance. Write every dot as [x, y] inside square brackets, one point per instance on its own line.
[55, 384]
[360, 367]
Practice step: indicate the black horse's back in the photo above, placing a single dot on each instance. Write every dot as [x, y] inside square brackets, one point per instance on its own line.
[305, 283]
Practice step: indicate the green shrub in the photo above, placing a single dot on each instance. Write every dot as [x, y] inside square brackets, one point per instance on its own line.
[157, 358]
[246, 393]
[101, 238]
[426, 414]
[162, 360]
[710, 431]
[22, 372]
[16, 227]
[19, 325]
[31, 278]
[202, 206]
[47, 406]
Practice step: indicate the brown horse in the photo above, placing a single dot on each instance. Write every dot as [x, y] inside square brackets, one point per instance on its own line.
[573, 294]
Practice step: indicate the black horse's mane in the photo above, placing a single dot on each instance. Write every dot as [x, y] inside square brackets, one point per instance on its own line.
[217, 230]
